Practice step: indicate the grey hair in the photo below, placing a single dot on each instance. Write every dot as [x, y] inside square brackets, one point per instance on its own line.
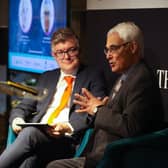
[129, 31]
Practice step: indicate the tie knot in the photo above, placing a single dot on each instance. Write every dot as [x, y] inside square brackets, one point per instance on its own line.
[69, 79]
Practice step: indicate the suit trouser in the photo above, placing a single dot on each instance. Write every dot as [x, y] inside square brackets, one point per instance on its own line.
[35, 148]
[80, 162]
[68, 163]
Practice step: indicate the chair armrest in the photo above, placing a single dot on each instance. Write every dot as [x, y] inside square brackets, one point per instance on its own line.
[84, 142]
[139, 140]
[11, 136]
[155, 141]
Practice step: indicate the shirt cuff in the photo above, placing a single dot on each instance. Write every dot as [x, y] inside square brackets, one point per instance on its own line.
[72, 130]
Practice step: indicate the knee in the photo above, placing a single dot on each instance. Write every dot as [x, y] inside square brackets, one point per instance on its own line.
[29, 131]
[53, 164]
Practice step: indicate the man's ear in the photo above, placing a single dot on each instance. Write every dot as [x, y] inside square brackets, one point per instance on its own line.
[134, 47]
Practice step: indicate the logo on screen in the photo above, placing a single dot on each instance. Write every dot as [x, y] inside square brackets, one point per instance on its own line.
[47, 16]
[25, 15]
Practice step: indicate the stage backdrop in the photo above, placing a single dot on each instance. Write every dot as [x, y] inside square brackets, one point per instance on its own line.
[154, 24]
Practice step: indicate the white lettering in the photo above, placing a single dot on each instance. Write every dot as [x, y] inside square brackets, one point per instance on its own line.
[163, 78]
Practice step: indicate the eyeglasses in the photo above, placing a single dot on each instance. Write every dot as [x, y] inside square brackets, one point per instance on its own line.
[114, 48]
[72, 52]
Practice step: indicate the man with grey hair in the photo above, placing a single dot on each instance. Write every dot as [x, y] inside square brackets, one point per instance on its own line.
[62, 128]
[134, 105]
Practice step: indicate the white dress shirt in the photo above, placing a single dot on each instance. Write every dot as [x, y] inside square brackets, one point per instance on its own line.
[64, 114]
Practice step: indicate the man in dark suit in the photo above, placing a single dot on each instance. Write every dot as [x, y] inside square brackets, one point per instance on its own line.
[59, 139]
[134, 106]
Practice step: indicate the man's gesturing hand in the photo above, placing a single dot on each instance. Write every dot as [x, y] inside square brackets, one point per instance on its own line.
[87, 101]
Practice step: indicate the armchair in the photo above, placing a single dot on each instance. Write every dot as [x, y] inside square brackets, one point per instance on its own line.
[145, 151]
[150, 150]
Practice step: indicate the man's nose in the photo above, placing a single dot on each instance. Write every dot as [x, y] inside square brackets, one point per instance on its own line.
[66, 55]
[108, 55]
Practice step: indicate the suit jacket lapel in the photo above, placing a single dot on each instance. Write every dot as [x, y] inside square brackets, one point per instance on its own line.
[126, 79]
[51, 89]
[78, 84]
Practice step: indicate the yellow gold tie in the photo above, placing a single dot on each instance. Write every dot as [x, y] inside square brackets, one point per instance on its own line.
[64, 99]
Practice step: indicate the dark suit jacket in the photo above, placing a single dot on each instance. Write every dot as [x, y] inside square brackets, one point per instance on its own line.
[135, 110]
[86, 77]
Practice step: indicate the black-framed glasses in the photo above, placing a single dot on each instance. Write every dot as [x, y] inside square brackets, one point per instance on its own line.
[72, 52]
[114, 48]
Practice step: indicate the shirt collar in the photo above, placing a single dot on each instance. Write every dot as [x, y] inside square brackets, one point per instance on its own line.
[63, 74]
[127, 72]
